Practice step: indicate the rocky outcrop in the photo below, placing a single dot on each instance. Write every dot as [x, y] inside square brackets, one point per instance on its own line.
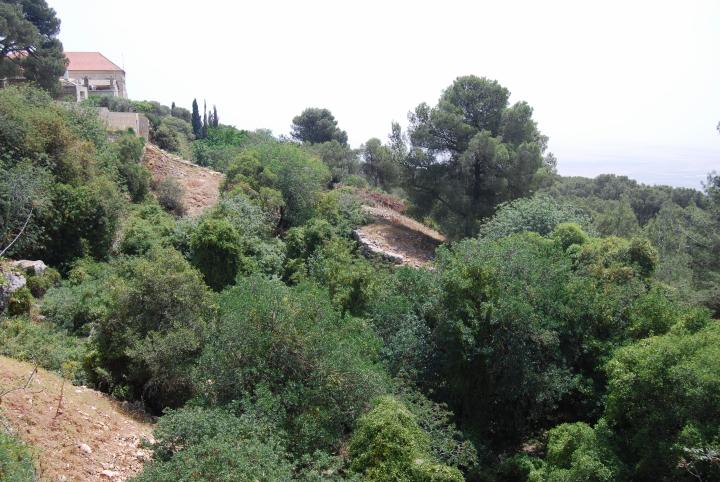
[13, 277]
[10, 282]
[396, 238]
[30, 267]
[371, 249]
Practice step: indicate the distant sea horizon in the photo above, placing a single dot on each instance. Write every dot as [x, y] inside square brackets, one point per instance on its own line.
[659, 166]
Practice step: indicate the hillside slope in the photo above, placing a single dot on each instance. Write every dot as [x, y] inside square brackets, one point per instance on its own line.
[202, 185]
[89, 438]
[392, 235]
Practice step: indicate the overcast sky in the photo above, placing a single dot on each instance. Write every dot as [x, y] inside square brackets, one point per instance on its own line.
[630, 87]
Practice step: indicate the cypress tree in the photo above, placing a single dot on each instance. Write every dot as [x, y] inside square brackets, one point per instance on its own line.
[196, 121]
[205, 122]
[216, 121]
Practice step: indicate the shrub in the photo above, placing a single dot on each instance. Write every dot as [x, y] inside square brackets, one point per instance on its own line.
[539, 214]
[137, 181]
[20, 302]
[43, 343]
[155, 327]
[147, 226]
[398, 310]
[342, 209]
[81, 222]
[348, 277]
[318, 370]
[221, 460]
[16, 462]
[170, 195]
[298, 175]
[216, 252]
[39, 284]
[356, 181]
[661, 404]
[568, 234]
[82, 300]
[388, 445]
[576, 452]
[167, 139]
[213, 444]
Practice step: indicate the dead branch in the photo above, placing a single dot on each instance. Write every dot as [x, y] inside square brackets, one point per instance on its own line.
[18, 234]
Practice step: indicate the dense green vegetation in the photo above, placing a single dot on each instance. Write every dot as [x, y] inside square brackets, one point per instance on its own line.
[16, 463]
[565, 334]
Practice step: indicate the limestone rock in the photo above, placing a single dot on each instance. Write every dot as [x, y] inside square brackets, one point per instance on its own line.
[30, 267]
[10, 282]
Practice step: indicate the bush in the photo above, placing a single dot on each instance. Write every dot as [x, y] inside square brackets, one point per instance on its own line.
[221, 460]
[661, 404]
[342, 209]
[137, 181]
[43, 343]
[349, 278]
[539, 214]
[154, 328]
[170, 194]
[212, 444]
[315, 369]
[398, 311]
[298, 175]
[20, 302]
[216, 252]
[568, 234]
[167, 139]
[356, 181]
[81, 222]
[575, 452]
[388, 445]
[39, 284]
[147, 226]
[81, 301]
[16, 461]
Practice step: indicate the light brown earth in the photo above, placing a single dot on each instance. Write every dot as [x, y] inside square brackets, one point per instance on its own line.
[90, 438]
[394, 236]
[202, 185]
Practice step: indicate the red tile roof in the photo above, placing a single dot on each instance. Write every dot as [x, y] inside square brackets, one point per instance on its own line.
[89, 61]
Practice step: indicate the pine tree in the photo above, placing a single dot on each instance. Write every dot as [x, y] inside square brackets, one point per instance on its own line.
[216, 121]
[196, 121]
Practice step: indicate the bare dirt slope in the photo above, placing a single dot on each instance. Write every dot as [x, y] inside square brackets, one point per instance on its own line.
[202, 185]
[90, 438]
[394, 236]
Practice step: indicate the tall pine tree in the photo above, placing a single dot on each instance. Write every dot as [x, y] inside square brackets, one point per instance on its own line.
[196, 121]
[216, 121]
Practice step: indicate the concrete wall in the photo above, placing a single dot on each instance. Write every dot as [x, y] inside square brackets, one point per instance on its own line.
[101, 77]
[121, 121]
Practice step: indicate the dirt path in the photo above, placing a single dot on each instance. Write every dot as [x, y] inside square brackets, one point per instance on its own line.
[398, 238]
[89, 439]
[202, 185]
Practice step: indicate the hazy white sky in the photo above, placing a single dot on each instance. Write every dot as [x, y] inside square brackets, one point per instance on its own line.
[631, 87]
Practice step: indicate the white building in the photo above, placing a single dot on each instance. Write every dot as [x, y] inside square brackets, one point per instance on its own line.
[93, 74]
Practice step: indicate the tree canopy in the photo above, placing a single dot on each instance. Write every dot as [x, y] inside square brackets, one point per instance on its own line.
[315, 126]
[28, 42]
[471, 152]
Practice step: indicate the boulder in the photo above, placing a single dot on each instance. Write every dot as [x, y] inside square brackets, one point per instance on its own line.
[30, 267]
[10, 282]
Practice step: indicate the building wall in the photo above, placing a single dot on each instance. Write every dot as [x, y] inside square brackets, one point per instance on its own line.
[121, 121]
[117, 75]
